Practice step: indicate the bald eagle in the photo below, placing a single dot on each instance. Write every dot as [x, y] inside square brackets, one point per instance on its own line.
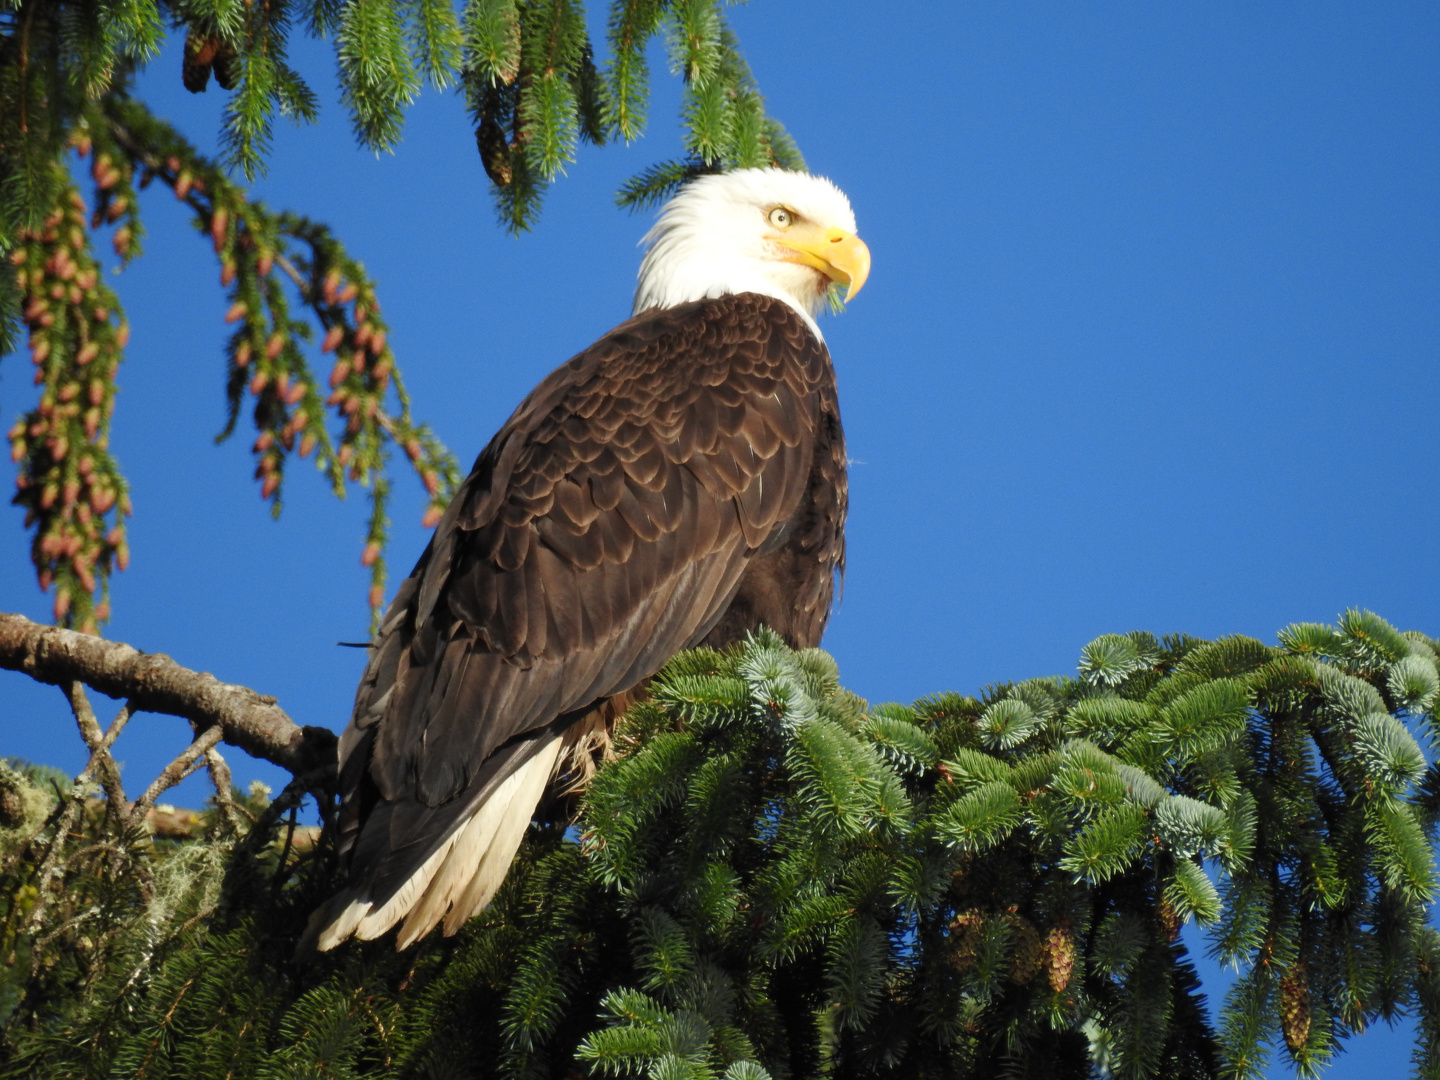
[680, 482]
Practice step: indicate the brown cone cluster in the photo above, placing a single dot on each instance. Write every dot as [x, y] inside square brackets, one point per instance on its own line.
[966, 935]
[203, 54]
[499, 136]
[1030, 953]
[67, 481]
[494, 152]
[1170, 920]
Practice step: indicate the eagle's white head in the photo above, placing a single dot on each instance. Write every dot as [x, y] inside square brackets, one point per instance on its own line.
[771, 231]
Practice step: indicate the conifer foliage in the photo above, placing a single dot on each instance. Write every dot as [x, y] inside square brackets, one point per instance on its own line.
[771, 878]
[528, 73]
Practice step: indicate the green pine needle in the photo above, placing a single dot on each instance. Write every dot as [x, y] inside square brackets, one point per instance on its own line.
[981, 819]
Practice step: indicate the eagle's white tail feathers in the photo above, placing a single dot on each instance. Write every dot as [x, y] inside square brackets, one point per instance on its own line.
[465, 871]
[492, 836]
[494, 863]
[464, 851]
[340, 927]
[378, 920]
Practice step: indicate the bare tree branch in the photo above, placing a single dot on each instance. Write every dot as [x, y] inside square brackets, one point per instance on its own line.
[99, 743]
[152, 682]
[220, 777]
[185, 762]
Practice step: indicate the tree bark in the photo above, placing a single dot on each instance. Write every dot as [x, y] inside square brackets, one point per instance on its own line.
[152, 682]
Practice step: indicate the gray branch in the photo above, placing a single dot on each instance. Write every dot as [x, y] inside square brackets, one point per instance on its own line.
[99, 743]
[184, 764]
[152, 682]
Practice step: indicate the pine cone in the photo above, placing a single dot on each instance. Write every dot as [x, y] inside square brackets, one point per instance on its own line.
[1059, 957]
[1295, 1007]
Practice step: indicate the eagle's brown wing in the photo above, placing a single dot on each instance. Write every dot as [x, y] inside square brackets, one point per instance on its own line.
[608, 525]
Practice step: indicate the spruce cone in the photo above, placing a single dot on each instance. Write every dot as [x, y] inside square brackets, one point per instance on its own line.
[1170, 920]
[201, 56]
[494, 152]
[196, 61]
[1059, 957]
[1029, 951]
[965, 933]
[1295, 1006]
[227, 72]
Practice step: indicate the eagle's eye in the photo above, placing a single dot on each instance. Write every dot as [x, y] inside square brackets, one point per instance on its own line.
[781, 218]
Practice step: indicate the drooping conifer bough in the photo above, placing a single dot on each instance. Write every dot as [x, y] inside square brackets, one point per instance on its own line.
[682, 481]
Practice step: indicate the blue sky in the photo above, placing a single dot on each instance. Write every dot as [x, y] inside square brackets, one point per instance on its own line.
[1149, 342]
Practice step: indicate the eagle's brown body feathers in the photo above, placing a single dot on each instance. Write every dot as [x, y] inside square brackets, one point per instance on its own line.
[681, 481]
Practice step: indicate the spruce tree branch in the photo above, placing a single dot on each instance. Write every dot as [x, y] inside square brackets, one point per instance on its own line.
[154, 683]
[265, 358]
[302, 282]
[50, 865]
[259, 834]
[99, 744]
[224, 800]
[185, 762]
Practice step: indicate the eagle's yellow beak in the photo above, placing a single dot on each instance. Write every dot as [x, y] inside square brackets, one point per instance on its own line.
[839, 255]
